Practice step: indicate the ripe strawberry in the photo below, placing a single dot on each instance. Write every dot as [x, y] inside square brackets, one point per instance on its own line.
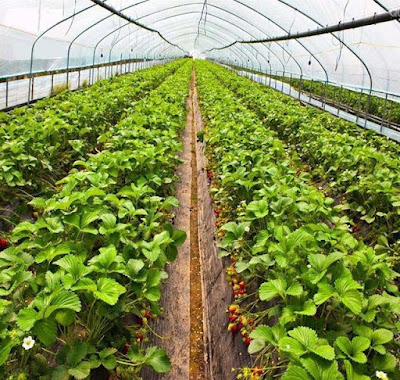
[242, 291]
[248, 341]
[355, 229]
[232, 318]
[147, 314]
[3, 243]
[235, 329]
[233, 259]
[235, 293]
[242, 284]
[232, 308]
[140, 321]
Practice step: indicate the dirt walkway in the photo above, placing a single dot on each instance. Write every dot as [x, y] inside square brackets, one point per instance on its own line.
[196, 295]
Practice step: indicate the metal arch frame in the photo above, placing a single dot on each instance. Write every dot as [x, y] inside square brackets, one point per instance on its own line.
[334, 35]
[213, 23]
[216, 34]
[232, 14]
[40, 36]
[242, 54]
[214, 31]
[282, 28]
[218, 25]
[92, 26]
[131, 20]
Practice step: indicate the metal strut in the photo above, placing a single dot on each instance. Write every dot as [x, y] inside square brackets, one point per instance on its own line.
[371, 20]
[132, 21]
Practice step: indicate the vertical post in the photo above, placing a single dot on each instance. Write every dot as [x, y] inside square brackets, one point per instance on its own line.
[79, 78]
[359, 106]
[340, 99]
[283, 78]
[33, 85]
[390, 114]
[52, 83]
[6, 92]
[311, 88]
[384, 111]
[290, 84]
[324, 98]
[367, 106]
[301, 82]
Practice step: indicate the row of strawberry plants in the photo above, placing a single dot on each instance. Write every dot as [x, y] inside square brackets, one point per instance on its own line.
[40, 142]
[79, 284]
[310, 300]
[371, 138]
[376, 105]
[365, 180]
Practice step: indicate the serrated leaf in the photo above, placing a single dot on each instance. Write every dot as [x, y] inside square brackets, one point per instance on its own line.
[296, 373]
[158, 360]
[109, 290]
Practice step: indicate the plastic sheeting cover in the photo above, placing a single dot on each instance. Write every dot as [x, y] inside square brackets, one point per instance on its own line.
[90, 34]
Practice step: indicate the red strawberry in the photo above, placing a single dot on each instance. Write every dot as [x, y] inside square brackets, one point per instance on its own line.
[235, 293]
[248, 341]
[234, 329]
[3, 243]
[242, 284]
[233, 259]
[242, 291]
[147, 314]
[140, 321]
[355, 229]
[139, 336]
[232, 318]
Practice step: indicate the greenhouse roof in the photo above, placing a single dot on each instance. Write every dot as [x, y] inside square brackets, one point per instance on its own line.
[45, 35]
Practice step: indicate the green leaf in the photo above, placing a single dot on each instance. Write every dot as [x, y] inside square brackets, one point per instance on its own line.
[321, 369]
[108, 290]
[255, 346]
[5, 348]
[153, 294]
[325, 351]
[271, 289]
[109, 221]
[81, 371]
[46, 331]
[386, 363]
[295, 289]
[158, 360]
[296, 373]
[26, 319]
[77, 354]
[353, 300]
[308, 308]
[292, 345]
[306, 336]
[325, 291]
[354, 349]
[63, 300]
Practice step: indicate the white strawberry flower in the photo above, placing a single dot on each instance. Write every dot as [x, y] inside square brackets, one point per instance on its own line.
[28, 343]
[247, 229]
[381, 375]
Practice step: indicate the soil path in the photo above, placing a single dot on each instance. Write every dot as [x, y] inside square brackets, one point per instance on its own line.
[196, 295]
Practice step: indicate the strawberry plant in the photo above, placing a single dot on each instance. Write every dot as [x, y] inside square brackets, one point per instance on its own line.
[75, 281]
[320, 300]
[39, 143]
